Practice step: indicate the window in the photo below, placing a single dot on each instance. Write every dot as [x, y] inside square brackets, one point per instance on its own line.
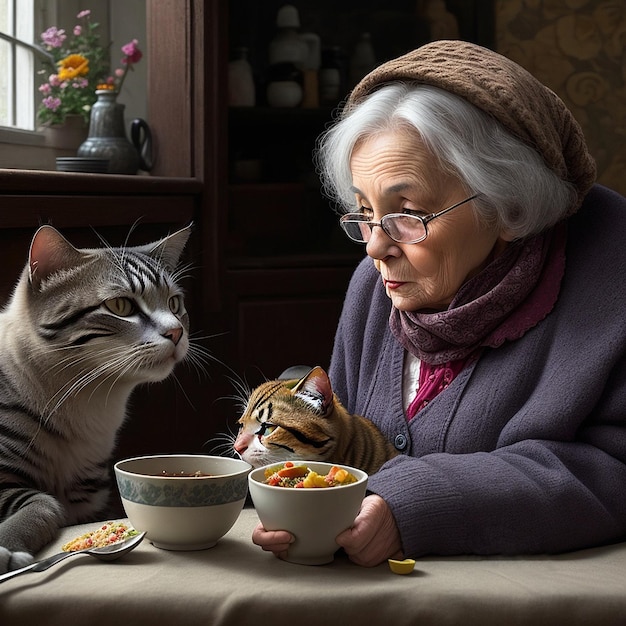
[21, 21]
[17, 64]
[21, 25]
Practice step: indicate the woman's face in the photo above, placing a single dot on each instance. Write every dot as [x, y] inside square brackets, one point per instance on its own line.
[393, 173]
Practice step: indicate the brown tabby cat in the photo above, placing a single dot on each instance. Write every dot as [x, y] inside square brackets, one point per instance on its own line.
[303, 419]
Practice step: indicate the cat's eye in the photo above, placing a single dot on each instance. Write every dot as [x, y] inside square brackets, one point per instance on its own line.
[176, 304]
[123, 307]
[265, 429]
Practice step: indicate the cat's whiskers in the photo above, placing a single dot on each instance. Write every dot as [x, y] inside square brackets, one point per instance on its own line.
[182, 273]
[242, 391]
[115, 364]
[182, 390]
[122, 373]
[119, 256]
[76, 360]
[120, 365]
[73, 387]
[222, 444]
[53, 373]
[198, 357]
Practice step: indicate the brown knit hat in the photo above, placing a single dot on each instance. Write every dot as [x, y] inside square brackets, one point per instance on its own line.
[505, 90]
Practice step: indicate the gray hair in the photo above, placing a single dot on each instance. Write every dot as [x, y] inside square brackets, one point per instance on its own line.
[518, 190]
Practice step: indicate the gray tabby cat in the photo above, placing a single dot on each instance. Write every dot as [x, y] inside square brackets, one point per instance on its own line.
[82, 329]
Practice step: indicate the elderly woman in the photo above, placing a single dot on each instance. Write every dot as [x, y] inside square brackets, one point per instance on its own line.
[485, 335]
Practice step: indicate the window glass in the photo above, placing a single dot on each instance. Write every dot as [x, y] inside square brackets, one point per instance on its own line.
[25, 67]
[17, 64]
[6, 64]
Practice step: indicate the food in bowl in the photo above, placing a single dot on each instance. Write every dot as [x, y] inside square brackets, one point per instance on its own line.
[303, 477]
[196, 474]
[183, 512]
[313, 516]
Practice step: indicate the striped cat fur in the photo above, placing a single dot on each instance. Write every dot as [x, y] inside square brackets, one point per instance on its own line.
[82, 329]
[303, 419]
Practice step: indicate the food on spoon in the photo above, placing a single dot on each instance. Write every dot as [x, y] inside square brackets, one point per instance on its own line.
[300, 476]
[108, 533]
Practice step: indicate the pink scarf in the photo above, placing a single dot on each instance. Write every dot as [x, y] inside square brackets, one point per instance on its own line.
[511, 295]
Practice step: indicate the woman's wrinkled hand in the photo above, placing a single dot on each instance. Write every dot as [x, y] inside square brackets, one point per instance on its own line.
[276, 541]
[374, 536]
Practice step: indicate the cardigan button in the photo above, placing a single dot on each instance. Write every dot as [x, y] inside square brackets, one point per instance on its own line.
[401, 442]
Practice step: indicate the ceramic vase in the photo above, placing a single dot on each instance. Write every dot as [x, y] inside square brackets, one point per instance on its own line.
[107, 136]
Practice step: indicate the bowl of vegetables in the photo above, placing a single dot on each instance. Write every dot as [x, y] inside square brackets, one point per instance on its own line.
[312, 500]
[182, 501]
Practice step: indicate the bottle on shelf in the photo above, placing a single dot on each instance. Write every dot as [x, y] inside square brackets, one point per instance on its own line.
[290, 48]
[241, 88]
[284, 87]
[287, 46]
[363, 59]
[310, 71]
[331, 80]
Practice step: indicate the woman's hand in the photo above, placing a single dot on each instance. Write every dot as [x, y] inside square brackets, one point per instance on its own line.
[276, 541]
[374, 536]
[372, 539]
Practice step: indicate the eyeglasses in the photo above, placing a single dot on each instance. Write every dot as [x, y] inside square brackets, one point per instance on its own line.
[401, 227]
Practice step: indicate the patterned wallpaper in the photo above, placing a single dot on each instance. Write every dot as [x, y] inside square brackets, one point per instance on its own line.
[578, 49]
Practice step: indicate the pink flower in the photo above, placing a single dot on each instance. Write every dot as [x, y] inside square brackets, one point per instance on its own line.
[84, 13]
[54, 81]
[53, 37]
[78, 30]
[52, 103]
[132, 52]
[119, 72]
[45, 88]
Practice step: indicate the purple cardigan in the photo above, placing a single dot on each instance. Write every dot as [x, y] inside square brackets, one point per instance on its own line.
[525, 452]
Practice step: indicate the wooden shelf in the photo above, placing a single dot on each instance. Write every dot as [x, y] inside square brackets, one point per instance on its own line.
[45, 182]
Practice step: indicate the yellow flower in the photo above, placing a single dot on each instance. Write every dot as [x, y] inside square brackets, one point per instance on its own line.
[73, 66]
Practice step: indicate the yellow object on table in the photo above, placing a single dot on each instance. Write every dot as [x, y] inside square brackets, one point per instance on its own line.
[405, 566]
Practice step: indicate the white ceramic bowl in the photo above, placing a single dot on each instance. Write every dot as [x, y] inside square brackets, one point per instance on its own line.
[190, 513]
[314, 516]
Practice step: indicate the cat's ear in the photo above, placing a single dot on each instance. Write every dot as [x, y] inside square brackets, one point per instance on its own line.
[316, 384]
[49, 253]
[169, 250]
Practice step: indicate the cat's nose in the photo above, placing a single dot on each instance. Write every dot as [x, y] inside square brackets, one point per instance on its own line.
[174, 334]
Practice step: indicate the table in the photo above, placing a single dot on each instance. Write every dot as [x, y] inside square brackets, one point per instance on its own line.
[236, 583]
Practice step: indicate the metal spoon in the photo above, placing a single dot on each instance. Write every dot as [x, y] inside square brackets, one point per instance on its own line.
[107, 553]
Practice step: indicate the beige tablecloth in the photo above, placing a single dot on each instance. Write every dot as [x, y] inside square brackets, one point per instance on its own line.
[236, 583]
